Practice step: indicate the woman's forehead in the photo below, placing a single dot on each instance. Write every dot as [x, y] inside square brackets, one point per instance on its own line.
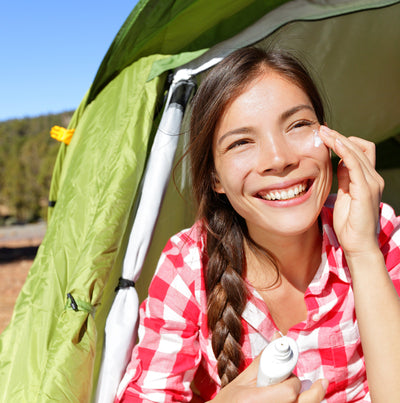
[270, 91]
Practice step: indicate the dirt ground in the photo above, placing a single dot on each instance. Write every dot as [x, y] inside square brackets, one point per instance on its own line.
[18, 247]
[12, 278]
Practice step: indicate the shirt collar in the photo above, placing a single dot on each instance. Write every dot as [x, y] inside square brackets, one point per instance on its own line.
[333, 263]
[257, 316]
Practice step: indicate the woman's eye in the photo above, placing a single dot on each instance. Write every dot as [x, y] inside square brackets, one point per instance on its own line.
[237, 143]
[302, 123]
[301, 127]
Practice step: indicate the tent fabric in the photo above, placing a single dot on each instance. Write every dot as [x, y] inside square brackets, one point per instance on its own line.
[48, 353]
[288, 12]
[122, 323]
[52, 349]
[175, 27]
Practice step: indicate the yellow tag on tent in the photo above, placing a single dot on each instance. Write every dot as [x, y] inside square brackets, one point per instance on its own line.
[62, 134]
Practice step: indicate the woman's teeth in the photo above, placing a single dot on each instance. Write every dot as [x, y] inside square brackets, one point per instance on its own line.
[285, 194]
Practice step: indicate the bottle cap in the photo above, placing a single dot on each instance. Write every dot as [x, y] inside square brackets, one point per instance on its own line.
[283, 351]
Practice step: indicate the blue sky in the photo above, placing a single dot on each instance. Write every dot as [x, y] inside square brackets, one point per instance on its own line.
[50, 51]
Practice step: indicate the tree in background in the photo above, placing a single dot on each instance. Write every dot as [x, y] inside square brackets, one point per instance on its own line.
[27, 157]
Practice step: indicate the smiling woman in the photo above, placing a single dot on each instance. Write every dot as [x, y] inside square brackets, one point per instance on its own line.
[257, 166]
[272, 252]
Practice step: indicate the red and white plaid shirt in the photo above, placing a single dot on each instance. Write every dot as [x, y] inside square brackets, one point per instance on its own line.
[175, 348]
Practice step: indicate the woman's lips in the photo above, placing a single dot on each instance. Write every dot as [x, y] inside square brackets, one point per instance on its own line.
[287, 193]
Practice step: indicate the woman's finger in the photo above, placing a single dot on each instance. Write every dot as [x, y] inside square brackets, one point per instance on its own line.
[286, 391]
[355, 173]
[359, 173]
[249, 375]
[357, 154]
[365, 152]
[369, 150]
[367, 147]
[316, 393]
[362, 149]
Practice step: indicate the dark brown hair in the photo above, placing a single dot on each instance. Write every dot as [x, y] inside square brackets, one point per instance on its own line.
[226, 230]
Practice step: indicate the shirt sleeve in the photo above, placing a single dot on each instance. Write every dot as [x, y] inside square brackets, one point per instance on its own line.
[389, 239]
[165, 360]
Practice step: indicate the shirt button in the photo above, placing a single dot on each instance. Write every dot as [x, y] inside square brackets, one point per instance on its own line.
[316, 317]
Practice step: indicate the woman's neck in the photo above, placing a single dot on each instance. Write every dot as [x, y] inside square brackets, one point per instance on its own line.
[298, 258]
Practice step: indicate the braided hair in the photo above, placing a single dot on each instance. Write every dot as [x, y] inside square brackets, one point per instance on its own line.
[226, 230]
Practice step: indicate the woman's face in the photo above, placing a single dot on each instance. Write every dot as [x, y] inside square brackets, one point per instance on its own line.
[269, 160]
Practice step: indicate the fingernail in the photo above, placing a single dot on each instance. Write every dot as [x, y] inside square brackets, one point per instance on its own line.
[305, 385]
[325, 384]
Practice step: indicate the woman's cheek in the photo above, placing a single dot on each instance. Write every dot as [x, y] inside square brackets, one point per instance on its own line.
[239, 164]
[311, 146]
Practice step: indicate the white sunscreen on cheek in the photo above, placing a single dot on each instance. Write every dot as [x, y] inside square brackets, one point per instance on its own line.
[317, 140]
[277, 361]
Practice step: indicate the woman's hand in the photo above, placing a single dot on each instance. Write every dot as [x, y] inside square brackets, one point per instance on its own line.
[243, 389]
[356, 211]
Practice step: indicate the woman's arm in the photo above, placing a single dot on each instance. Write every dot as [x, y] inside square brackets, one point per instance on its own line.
[377, 302]
[378, 313]
[166, 358]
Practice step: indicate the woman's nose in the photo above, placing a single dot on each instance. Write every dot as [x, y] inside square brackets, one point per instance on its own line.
[276, 155]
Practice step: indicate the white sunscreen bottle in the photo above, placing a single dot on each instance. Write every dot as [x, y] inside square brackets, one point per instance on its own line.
[277, 361]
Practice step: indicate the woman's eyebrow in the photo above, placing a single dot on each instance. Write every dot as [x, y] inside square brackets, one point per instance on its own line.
[287, 114]
[239, 130]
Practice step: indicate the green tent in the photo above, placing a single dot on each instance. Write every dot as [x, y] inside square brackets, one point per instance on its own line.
[53, 347]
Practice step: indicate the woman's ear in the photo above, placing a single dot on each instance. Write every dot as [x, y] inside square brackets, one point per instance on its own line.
[216, 184]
